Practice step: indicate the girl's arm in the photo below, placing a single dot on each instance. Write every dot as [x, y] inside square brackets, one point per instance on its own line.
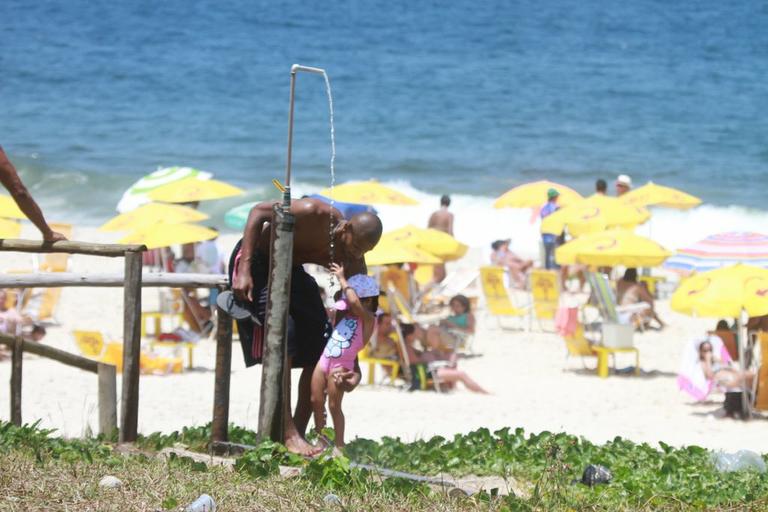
[353, 301]
[470, 323]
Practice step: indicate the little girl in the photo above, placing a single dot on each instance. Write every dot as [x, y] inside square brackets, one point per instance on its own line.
[355, 319]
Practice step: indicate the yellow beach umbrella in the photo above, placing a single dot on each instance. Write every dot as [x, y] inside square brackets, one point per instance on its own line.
[163, 235]
[435, 242]
[9, 209]
[152, 213]
[610, 248]
[534, 195]
[190, 190]
[9, 228]
[595, 213]
[724, 293]
[388, 252]
[367, 192]
[652, 194]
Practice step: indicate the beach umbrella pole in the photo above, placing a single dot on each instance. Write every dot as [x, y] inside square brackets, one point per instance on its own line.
[274, 402]
[746, 407]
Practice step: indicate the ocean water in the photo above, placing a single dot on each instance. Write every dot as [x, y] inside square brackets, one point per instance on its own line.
[438, 97]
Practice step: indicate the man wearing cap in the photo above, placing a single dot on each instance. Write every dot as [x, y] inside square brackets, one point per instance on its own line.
[550, 241]
[623, 184]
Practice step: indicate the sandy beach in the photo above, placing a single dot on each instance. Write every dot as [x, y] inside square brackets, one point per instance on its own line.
[532, 383]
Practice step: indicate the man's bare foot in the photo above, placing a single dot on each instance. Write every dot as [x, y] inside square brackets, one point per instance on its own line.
[297, 444]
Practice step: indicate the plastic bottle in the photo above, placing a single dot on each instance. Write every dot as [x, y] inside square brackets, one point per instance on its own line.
[741, 460]
[202, 504]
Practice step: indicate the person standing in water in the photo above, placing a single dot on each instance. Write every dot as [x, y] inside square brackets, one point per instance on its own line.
[441, 220]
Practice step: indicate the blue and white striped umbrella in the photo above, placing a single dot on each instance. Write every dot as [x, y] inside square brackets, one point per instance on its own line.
[721, 250]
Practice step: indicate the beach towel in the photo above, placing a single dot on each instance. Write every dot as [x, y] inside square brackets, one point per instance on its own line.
[566, 321]
[691, 378]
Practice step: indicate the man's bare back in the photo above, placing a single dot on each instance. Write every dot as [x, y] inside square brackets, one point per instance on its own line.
[442, 220]
[313, 221]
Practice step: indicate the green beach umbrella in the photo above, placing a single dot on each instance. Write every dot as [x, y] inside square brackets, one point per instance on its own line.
[137, 194]
[238, 216]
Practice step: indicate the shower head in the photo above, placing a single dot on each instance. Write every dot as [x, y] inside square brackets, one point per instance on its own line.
[296, 67]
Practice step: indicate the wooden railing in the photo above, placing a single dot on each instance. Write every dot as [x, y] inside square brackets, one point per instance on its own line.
[132, 281]
[106, 373]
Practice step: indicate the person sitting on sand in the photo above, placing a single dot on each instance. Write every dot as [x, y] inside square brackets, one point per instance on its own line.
[630, 291]
[502, 256]
[11, 320]
[355, 319]
[447, 375]
[722, 374]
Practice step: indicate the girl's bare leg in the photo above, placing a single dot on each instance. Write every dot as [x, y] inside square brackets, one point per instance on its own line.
[335, 394]
[319, 384]
[453, 375]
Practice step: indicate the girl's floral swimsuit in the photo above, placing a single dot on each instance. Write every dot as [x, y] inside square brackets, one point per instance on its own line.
[343, 346]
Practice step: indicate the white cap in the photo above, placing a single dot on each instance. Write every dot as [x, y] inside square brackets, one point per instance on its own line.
[625, 180]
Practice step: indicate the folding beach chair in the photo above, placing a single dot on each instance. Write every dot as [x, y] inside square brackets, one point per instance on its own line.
[545, 294]
[497, 298]
[364, 357]
[605, 299]
[57, 261]
[578, 345]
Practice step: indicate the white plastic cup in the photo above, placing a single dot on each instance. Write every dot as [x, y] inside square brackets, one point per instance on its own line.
[202, 504]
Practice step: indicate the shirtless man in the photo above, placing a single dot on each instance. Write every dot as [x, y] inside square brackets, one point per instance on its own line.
[308, 326]
[11, 181]
[441, 220]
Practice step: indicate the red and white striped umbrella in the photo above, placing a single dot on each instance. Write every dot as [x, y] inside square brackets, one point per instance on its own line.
[721, 250]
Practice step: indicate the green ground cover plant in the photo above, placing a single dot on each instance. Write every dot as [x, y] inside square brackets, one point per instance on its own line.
[546, 465]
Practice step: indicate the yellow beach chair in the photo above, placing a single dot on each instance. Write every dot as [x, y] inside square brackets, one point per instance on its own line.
[90, 343]
[57, 261]
[41, 304]
[401, 280]
[93, 346]
[545, 293]
[496, 296]
[364, 358]
[579, 346]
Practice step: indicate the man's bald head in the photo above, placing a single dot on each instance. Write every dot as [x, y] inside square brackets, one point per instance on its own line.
[367, 228]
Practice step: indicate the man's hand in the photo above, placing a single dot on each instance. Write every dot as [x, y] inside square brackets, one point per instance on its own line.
[242, 287]
[53, 236]
[346, 380]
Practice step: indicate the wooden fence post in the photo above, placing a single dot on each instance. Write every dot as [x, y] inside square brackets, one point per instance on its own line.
[220, 423]
[16, 361]
[107, 398]
[129, 406]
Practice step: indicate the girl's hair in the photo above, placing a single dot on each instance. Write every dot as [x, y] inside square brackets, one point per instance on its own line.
[701, 346]
[630, 275]
[461, 299]
[722, 325]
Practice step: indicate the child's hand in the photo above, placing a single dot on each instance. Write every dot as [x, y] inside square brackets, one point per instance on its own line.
[337, 270]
